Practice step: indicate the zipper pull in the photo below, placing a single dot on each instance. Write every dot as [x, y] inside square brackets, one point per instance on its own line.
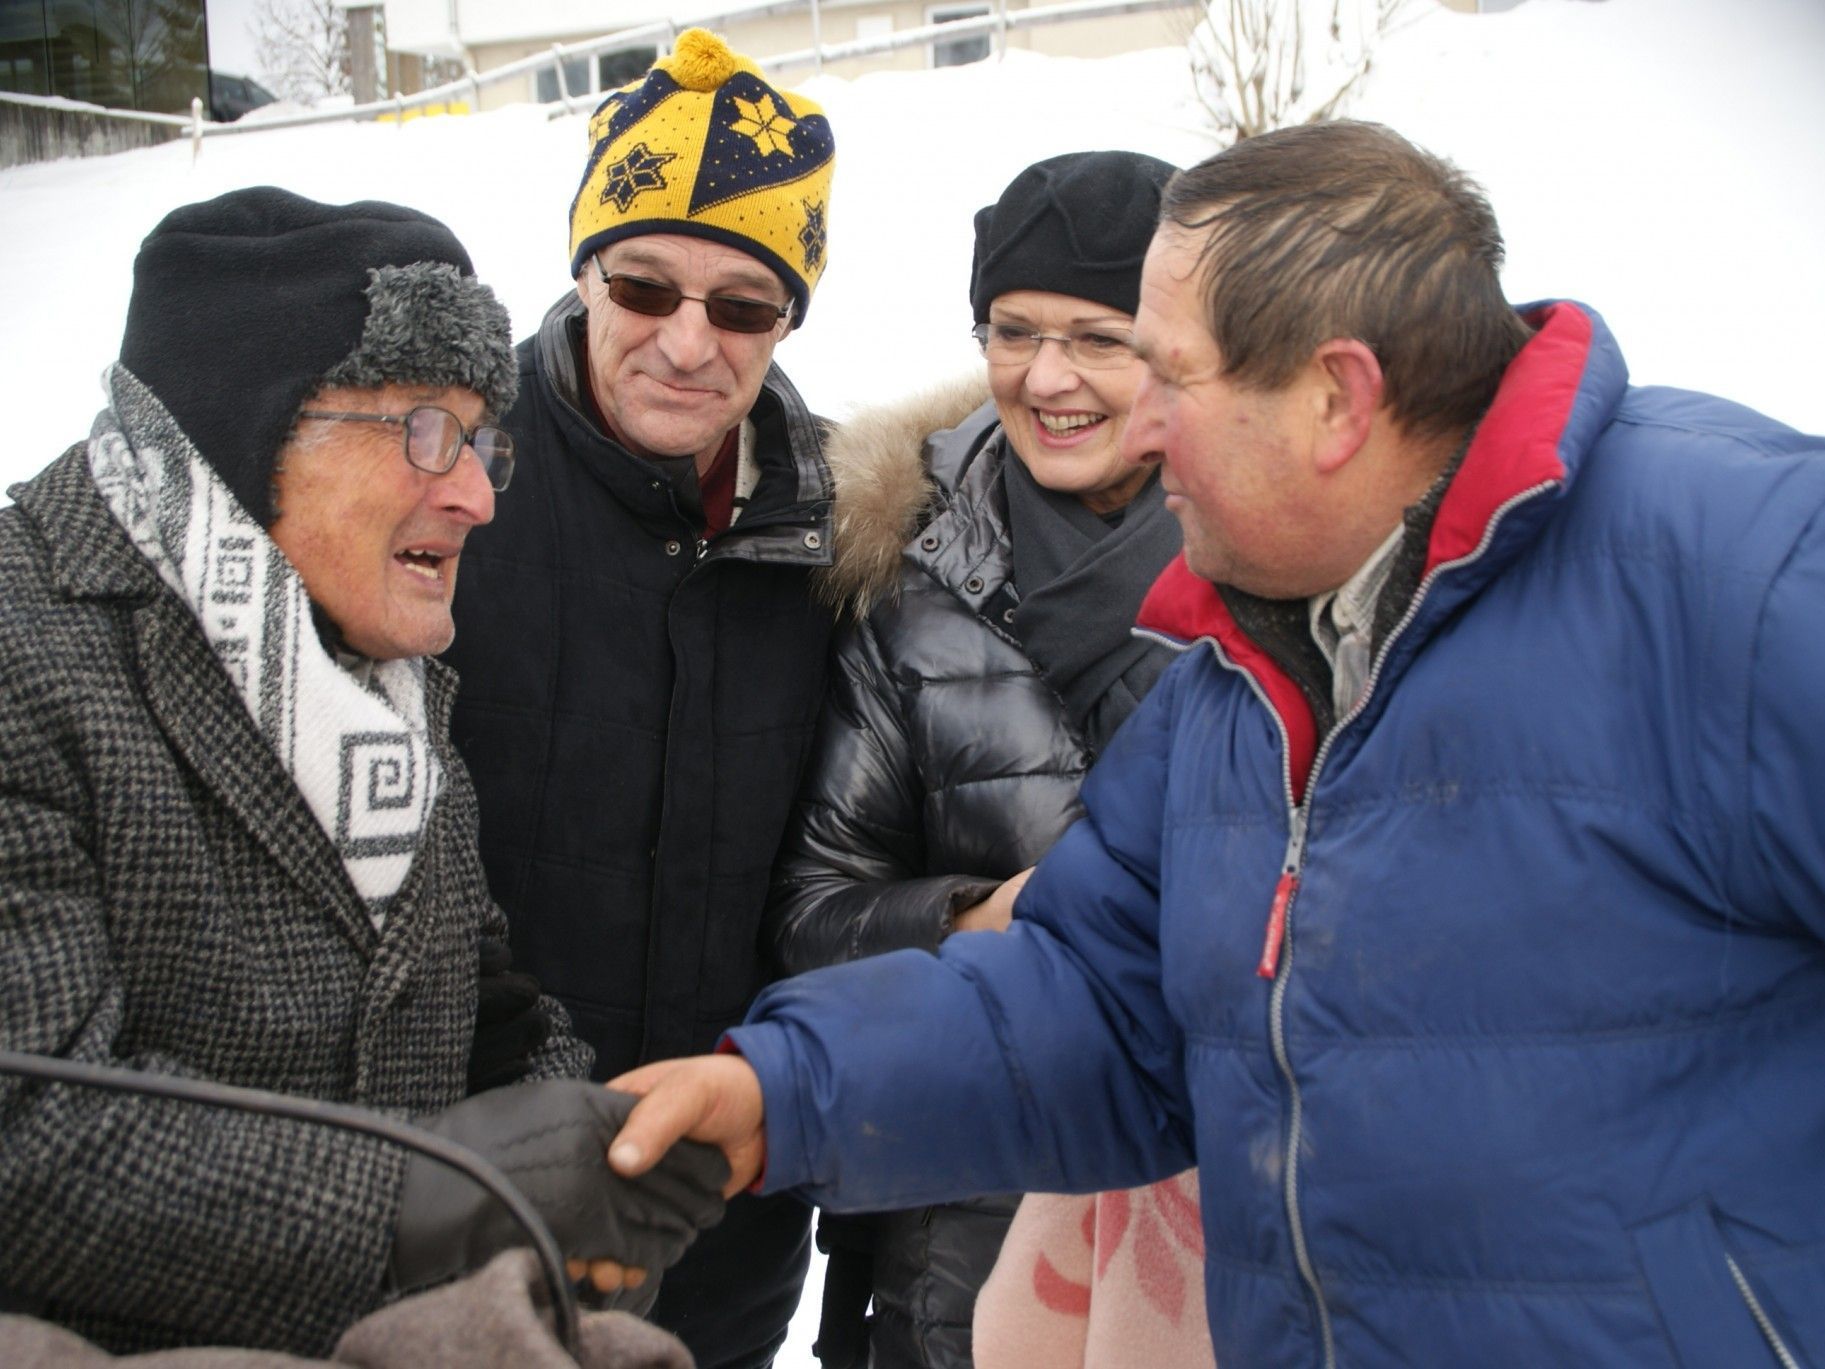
[703, 547]
[1276, 925]
[1284, 889]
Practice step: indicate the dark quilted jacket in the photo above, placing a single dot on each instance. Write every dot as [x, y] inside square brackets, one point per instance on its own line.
[636, 710]
[168, 902]
[944, 762]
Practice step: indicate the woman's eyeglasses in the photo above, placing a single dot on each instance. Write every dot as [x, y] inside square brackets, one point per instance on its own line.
[731, 313]
[435, 438]
[1014, 344]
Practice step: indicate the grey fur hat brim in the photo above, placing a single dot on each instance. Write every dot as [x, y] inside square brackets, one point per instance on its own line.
[429, 324]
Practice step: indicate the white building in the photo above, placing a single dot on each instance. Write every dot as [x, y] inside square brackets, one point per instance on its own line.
[485, 34]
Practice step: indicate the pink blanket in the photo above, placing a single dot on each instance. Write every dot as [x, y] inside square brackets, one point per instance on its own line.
[1106, 1282]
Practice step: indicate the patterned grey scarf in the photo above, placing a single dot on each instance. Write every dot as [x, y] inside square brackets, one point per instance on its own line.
[355, 742]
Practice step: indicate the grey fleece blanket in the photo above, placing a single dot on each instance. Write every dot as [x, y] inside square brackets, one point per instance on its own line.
[493, 1319]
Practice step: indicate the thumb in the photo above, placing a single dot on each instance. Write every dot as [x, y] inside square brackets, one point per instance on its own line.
[711, 1098]
[662, 1116]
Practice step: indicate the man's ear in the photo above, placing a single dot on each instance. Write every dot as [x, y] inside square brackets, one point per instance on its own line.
[1349, 393]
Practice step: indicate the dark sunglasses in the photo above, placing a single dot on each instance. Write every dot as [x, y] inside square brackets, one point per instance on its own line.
[730, 313]
[435, 438]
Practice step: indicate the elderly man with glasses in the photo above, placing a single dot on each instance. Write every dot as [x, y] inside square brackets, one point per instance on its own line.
[235, 842]
[643, 639]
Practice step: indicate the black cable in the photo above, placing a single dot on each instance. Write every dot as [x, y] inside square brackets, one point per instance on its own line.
[119, 1080]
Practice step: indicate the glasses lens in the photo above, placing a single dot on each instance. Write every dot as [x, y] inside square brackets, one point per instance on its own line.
[1007, 342]
[433, 438]
[494, 449]
[1101, 351]
[643, 296]
[741, 315]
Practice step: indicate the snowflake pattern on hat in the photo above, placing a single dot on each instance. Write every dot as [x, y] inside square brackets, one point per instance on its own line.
[764, 123]
[637, 171]
[753, 146]
[811, 236]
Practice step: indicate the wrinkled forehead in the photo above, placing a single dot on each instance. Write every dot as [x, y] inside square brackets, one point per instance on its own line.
[1175, 278]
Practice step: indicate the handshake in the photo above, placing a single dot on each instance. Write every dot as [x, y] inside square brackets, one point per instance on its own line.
[551, 1138]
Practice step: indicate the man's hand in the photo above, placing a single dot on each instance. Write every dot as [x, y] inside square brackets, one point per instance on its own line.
[710, 1098]
[996, 911]
[550, 1138]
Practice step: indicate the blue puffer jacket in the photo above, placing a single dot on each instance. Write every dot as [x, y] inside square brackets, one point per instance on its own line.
[1537, 1072]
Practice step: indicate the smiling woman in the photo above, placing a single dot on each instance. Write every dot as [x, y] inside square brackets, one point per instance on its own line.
[1064, 406]
[996, 664]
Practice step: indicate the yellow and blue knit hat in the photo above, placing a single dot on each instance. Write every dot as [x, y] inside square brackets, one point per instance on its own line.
[702, 145]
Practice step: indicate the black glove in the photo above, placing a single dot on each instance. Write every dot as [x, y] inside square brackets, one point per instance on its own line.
[551, 1139]
[510, 1026]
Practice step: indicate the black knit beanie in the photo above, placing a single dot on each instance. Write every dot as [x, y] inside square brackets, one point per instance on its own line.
[246, 305]
[1072, 225]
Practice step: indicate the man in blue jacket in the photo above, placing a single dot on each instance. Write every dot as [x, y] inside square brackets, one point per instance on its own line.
[1456, 901]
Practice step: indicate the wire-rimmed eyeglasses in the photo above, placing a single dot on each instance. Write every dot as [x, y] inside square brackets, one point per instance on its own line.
[655, 299]
[1013, 344]
[435, 438]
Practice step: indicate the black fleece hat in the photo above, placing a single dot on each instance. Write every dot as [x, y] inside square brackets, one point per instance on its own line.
[1072, 225]
[245, 305]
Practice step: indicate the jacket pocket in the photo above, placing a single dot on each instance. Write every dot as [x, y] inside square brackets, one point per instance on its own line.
[1712, 1313]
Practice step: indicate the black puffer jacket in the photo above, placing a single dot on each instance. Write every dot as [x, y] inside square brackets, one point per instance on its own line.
[944, 764]
[636, 710]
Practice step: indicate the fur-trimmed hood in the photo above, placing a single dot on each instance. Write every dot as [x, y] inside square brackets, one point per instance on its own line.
[881, 469]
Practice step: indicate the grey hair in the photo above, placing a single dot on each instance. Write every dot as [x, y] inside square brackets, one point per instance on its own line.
[429, 324]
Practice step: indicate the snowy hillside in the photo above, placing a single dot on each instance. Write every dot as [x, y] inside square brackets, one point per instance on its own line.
[1656, 158]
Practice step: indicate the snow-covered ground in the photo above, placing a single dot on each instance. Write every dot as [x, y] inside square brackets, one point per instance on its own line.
[1659, 159]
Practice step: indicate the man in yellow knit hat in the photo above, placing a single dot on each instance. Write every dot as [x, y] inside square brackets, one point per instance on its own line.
[641, 641]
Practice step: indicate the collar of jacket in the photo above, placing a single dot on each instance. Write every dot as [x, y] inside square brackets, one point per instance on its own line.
[967, 545]
[91, 558]
[90, 554]
[893, 467]
[1555, 398]
[796, 530]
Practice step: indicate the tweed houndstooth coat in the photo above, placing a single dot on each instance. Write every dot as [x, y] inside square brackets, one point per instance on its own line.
[167, 901]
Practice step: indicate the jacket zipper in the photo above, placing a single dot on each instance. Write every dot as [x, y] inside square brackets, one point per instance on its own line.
[1773, 1337]
[1277, 949]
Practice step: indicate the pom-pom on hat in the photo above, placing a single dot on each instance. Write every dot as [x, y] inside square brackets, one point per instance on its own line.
[1073, 225]
[702, 145]
[246, 305]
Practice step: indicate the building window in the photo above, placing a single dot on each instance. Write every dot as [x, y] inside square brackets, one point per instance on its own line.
[609, 71]
[617, 69]
[127, 54]
[576, 80]
[955, 52]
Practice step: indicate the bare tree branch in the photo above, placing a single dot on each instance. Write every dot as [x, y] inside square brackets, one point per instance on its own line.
[303, 47]
[1263, 64]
